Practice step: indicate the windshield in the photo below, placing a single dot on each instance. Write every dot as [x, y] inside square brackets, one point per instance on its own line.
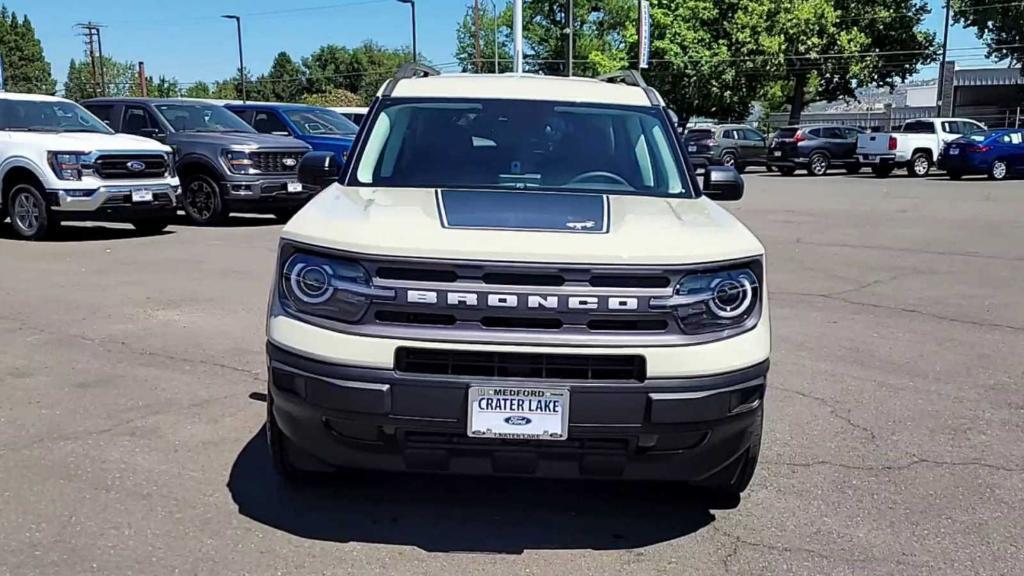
[321, 122]
[521, 144]
[201, 118]
[52, 116]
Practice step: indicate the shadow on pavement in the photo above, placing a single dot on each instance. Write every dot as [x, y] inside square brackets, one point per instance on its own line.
[75, 232]
[464, 514]
[232, 221]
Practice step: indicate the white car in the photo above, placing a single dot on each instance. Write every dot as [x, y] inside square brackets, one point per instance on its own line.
[915, 147]
[354, 113]
[60, 163]
[550, 293]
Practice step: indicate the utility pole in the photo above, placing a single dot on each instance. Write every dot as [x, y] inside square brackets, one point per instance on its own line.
[942, 64]
[412, 5]
[569, 21]
[94, 48]
[241, 59]
[143, 88]
[476, 18]
[517, 36]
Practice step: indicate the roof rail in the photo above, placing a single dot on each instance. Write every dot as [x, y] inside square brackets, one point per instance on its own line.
[632, 78]
[409, 70]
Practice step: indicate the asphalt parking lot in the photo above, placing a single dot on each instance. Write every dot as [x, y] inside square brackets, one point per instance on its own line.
[894, 439]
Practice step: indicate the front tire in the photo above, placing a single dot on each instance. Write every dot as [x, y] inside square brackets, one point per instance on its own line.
[729, 159]
[818, 164]
[998, 170]
[787, 170]
[202, 201]
[920, 165]
[30, 217]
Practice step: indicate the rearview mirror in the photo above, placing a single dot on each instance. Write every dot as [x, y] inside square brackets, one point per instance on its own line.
[723, 183]
[319, 169]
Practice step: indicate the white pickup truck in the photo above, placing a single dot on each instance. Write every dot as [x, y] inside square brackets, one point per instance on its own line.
[916, 147]
[60, 163]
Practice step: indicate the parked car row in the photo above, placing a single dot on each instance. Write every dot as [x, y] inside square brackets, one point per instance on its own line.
[957, 145]
[138, 160]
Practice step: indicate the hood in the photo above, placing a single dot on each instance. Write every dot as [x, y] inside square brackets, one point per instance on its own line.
[408, 222]
[87, 141]
[241, 139]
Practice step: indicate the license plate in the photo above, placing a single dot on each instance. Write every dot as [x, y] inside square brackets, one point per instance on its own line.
[869, 157]
[295, 186]
[954, 151]
[142, 195]
[777, 153]
[691, 148]
[518, 413]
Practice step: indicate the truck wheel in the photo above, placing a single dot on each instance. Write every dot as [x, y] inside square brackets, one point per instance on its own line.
[787, 170]
[731, 482]
[818, 164]
[289, 461]
[881, 171]
[853, 169]
[998, 170]
[202, 201]
[30, 217]
[149, 227]
[729, 159]
[920, 165]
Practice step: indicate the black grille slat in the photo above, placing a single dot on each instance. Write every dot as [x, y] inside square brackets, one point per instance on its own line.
[115, 167]
[519, 365]
[274, 162]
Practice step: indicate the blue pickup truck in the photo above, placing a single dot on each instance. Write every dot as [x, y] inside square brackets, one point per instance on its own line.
[324, 130]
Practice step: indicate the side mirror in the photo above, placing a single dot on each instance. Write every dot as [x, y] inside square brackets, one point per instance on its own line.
[722, 183]
[318, 169]
[153, 133]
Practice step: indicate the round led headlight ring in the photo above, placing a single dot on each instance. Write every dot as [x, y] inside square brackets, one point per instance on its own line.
[731, 298]
[311, 283]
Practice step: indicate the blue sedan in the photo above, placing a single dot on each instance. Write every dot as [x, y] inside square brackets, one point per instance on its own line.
[997, 153]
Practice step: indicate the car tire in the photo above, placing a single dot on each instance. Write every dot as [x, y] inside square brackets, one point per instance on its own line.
[881, 171]
[818, 164]
[150, 227]
[730, 482]
[787, 170]
[30, 217]
[954, 175]
[998, 170]
[729, 159]
[202, 201]
[920, 165]
[853, 169]
[288, 460]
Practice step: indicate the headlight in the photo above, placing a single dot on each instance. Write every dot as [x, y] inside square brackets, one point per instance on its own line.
[239, 161]
[66, 165]
[328, 288]
[714, 301]
[172, 169]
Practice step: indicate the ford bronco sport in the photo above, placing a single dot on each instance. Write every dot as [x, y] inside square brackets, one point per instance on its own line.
[519, 275]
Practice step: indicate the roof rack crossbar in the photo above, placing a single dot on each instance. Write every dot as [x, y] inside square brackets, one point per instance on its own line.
[632, 78]
[407, 71]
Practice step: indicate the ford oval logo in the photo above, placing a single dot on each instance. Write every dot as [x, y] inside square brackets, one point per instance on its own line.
[136, 166]
[517, 420]
[289, 162]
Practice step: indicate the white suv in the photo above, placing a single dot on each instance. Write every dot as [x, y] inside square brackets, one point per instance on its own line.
[58, 163]
[519, 275]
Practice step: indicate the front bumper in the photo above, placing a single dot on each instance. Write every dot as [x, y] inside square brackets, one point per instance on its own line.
[114, 203]
[663, 429]
[265, 194]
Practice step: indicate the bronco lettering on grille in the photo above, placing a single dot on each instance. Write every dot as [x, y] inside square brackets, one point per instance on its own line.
[529, 301]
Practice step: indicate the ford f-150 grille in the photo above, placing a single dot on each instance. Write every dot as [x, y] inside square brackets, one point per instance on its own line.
[281, 162]
[125, 166]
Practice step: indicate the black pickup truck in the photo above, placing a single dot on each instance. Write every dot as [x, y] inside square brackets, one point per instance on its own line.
[225, 166]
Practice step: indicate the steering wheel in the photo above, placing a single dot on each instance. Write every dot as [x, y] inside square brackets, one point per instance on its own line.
[599, 174]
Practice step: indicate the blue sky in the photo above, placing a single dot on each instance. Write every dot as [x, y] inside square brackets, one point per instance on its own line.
[186, 38]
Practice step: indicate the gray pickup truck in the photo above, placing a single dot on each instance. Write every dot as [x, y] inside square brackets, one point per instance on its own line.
[225, 166]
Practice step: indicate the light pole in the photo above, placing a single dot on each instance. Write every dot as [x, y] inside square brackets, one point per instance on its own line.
[412, 4]
[494, 8]
[241, 59]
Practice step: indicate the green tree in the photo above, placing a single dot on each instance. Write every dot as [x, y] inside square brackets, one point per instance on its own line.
[164, 87]
[1000, 25]
[465, 35]
[284, 82]
[119, 79]
[360, 70]
[198, 90]
[334, 97]
[24, 65]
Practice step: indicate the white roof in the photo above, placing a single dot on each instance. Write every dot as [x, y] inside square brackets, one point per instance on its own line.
[32, 97]
[521, 87]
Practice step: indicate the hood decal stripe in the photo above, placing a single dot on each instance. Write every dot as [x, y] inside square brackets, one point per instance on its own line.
[577, 213]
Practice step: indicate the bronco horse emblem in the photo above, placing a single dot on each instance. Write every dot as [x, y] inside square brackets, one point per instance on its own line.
[586, 225]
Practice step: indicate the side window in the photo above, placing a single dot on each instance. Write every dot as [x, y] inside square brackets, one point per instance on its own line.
[952, 128]
[269, 123]
[832, 133]
[752, 135]
[971, 128]
[851, 133]
[730, 135]
[919, 127]
[1015, 138]
[135, 119]
[101, 111]
[245, 115]
[814, 132]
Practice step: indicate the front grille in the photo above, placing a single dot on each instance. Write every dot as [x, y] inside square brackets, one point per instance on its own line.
[276, 162]
[115, 166]
[581, 367]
